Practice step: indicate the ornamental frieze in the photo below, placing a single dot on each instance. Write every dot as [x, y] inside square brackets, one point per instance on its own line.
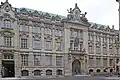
[7, 32]
[48, 37]
[59, 39]
[36, 36]
[24, 34]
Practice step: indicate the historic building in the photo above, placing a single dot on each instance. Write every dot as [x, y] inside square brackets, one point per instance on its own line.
[35, 43]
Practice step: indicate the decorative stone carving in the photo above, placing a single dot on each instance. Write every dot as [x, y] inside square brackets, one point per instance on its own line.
[6, 32]
[47, 16]
[36, 14]
[75, 14]
[7, 8]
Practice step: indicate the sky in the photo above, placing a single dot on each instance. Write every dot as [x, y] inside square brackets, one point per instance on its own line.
[98, 11]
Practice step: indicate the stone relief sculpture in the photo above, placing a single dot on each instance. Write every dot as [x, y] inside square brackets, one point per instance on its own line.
[75, 14]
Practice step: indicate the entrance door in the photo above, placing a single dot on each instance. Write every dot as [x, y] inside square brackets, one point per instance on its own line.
[76, 67]
[8, 69]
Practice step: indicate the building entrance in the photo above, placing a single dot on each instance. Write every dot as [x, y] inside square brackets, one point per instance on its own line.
[8, 69]
[76, 67]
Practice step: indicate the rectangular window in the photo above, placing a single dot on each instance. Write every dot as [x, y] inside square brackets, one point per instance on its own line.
[48, 31]
[24, 28]
[105, 62]
[58, 46]
[7, 23]
[98, 62]
[48, 45]
[91, 62]
[110, 51]
[75, 34]
[36, 29]
[49, 60]
[37, 59]
[98, 50]
[36, 44]
[24, 43]
[104, 50]
[111, 62]
[58, 60]
[90, 49]
[24, 59]
[7, 41]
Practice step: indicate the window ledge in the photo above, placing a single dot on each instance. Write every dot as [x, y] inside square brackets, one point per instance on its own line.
[6, 28]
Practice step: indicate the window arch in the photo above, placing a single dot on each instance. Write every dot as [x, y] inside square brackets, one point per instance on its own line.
[98, 70]
[48, 72]
[25, 73]
[59, 72]
[91, 70]
[7, 23]
[37, 73]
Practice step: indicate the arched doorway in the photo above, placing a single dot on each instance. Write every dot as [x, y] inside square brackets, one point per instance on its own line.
[76, 67]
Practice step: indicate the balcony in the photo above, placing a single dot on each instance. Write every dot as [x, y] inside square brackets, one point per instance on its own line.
[76, 51]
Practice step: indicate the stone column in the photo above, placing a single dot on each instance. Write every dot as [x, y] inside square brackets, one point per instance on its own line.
[66, 49]
[42, 39]
[0, 64]
[54, 64]
[85, 45]
[17, 63]
[94, 43]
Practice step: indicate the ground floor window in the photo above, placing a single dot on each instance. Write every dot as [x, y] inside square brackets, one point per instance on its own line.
[91, 70]
[98, 70]
[111, 70]
[59, 72]
[25, 73]
[37, 73]
[48, 72]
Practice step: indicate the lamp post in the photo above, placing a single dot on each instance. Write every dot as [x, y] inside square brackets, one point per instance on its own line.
[118, 40]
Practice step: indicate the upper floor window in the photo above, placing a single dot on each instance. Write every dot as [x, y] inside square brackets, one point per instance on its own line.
[48, 45]
[98, 50]
[49, 60]
[24, 28]
[24, 59]
[7, 41]
[37, 59]
[24, 43]
[36, 43]
[48, 31]
[58, 60]
[74, 33]
[91, 49]
[7, 23]
[59, 46]
[58, 32]
[36, 29]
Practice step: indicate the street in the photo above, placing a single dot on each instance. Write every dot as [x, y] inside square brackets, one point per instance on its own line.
[67, 78]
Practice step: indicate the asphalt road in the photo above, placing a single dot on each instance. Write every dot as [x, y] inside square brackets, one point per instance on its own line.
[66, 78]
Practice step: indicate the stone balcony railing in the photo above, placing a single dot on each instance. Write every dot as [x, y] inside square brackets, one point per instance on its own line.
[76, 51]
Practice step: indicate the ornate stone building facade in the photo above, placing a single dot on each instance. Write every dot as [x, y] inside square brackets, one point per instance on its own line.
[34, 43]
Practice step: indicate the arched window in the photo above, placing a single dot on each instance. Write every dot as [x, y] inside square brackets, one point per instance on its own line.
[25, 73]
[59, 72]
[7, 23]
[111, 70]
[91, 70]
[48, 72]
[98, 70]
[37, 73]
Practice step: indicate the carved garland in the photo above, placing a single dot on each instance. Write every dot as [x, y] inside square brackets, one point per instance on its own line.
[6, 32]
